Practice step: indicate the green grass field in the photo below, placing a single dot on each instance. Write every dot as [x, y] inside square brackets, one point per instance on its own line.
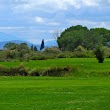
[89, 89]
[48, 93]
[86, 67]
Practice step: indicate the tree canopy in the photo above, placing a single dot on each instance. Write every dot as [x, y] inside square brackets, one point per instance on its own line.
[78, 35]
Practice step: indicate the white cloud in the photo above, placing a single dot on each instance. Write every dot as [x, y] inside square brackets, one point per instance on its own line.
[90, 2]
[39, 19]
[48, 5]
[90, 24]
[53, 24]
[45, 21]
[11, 27]
[49, 40]
[54, 5]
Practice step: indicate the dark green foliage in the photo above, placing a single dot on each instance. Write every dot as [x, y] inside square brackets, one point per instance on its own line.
[99, 52]
[105, 34]
[78, 35]
[11, 46]
[72, 38]
[42, 45]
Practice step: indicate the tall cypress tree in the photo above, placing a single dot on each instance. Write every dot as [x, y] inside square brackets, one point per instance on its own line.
[42, 45]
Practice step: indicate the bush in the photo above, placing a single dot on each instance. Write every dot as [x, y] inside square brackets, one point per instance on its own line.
[40, 57]
[61, 55]
[16, 71]
[107, 52]
[54, 50]
[22, 71]
[58, 71]
[80, 49]
[99, 52]
[34, 72]
[88, 54]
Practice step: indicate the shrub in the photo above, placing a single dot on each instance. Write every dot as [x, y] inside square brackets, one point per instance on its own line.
[34, 72]
[88, 54]
[20, 70]
[58, 71]
[107, 52]
[54, 50]
[99, 52]
[61, 55]
[80, 49]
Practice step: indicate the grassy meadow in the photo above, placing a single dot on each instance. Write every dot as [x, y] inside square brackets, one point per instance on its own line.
[86, 89]
[48, 93]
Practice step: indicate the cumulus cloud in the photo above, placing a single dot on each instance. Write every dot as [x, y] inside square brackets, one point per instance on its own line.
[45, 21]
[53, 24]
[48, 5]
[39, 20]
[36, 19]
[11, 28]
[52, 5]
[89, 23]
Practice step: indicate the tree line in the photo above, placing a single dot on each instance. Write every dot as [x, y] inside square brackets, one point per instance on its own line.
[79, 35]
[76, 41]
[20, 51]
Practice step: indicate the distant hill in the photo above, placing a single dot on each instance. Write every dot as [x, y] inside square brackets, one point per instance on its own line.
[5, 38]
[51, 43]
[47, 44]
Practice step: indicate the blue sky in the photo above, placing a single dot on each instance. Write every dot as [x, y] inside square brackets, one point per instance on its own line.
[34, 20]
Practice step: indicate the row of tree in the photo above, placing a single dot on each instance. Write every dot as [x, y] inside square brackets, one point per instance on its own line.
[78, 35]
[21, 51]
[19, 47]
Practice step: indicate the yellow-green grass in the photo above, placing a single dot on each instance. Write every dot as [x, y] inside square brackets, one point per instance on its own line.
[48, 93]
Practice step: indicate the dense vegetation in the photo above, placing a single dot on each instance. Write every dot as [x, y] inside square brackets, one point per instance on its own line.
[24, 53]
[74, 42]
[78, 35]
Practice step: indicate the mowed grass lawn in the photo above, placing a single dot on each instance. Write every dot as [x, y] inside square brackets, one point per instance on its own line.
[48, 93]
